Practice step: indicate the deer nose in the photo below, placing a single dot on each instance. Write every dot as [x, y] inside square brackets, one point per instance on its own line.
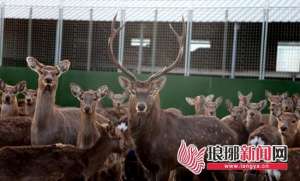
[252, 114]
[7, 99]
[141, 107]
[48, 80]
[87, 109]
[283, 128]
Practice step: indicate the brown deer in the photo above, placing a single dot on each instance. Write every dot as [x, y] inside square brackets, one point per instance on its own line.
[157, 133]
[289, 128]
[211, 106]
[9, 106]
[30, 101]
[90, 121]
[235, 121]
[254, 118]
[244, 100]
[199, 103]
[296, 100]
[51, 124]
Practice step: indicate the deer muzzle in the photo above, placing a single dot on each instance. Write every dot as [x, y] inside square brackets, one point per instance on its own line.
[141, 107]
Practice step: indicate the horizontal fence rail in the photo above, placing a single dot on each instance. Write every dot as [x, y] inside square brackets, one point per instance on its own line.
[256, 42]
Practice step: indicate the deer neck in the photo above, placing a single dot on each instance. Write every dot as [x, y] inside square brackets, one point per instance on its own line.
[88, 133]
[10, 109]
[143, 126]
[44, 108]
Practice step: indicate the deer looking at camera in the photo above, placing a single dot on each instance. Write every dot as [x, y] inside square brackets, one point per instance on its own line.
[9, 106]
[211, 106]
[244, 100]
[30, 100]
[199, 102]
[51, 124]
[151, 127]
[90, 121]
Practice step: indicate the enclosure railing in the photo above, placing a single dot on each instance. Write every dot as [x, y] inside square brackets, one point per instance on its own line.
[258, 42]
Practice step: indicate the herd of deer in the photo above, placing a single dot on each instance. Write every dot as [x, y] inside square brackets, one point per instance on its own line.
[91, 142]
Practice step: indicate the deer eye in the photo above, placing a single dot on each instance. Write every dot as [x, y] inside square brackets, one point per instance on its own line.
[294, 121]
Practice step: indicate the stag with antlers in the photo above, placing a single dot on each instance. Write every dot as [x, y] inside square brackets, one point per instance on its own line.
[151, 127]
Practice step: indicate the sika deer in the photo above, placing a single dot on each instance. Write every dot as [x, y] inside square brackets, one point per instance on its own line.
[210, 106]
[198, 103]
[90, 121]
[275, 106]
[9, 105]
[289, 128]
[157, 133]
[244, 100]
[51, 124]
[235, 121]
[30, 101]
[254, 117]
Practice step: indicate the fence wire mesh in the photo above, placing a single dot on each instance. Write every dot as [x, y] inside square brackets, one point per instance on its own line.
[232, 42]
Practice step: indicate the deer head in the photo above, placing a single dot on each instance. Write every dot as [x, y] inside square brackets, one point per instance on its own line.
[30, 96]
[254, 115]
[88, 99]
[288, 104]
[288, 126]
[238, 113]
[48, 75]
[296, 99]
[210, 106]
[144, 94]
[9, 92]
[244, 100]
[197, 102]
[275, 102]
[118, 99]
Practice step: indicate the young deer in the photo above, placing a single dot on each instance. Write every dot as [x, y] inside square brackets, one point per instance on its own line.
[51, 124]
[235, 120]
[89, 130]
[289, 128]
[275, 106]
[199, 102]
[9, 105]
[30, 101]
[210, 106]
[244, 100]
[151, 127]
[254, 118]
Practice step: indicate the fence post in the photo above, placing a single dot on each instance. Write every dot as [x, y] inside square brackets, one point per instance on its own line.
[225, 44]
[265, 44]
[234, 49]
[154, 38]
[121, 37]
[90, 37]
[140, 55]
[29, 33]
[2, 13]
[59, 30]
[187, 62]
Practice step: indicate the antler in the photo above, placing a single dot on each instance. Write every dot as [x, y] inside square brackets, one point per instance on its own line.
[112, 36]
[180, 40]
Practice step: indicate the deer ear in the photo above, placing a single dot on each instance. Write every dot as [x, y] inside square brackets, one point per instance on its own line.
[295, 98]
[2, 85]
[240, 94]
[297, 113]
[219, 101]
[75, 90]
[284, 95]
[102, 91]
[21, 86]
[34, 64]
[159, 83]
[125, 83]
[209, 97]
[190, 101]
[63, 66]
[268, 93]
[249, 96]
[262, 104]
[229, 105]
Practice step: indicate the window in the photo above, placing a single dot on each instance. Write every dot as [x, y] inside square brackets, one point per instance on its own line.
[135, 42]
[197, 44]
[288, 57]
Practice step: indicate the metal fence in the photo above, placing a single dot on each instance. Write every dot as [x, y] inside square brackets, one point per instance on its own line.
[234, 43]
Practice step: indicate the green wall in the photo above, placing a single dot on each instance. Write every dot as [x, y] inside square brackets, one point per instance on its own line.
[176, 88]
